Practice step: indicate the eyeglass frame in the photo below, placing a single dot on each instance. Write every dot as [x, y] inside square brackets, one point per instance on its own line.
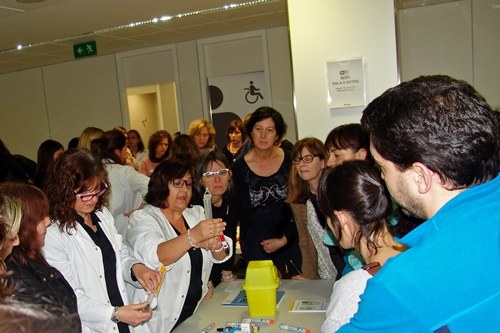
[212, 174]
[92, 196]
[183, 182]
[304, 159]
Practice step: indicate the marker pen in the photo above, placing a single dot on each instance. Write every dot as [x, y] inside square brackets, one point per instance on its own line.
[291, 328]
[208, 328]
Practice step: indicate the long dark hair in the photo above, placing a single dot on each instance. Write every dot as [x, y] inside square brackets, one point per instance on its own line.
[356, 188]
[105, 146]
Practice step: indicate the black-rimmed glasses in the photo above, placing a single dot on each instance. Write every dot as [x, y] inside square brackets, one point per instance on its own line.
[306, 158]
[178, 183]
[90, 196]
[211, 174]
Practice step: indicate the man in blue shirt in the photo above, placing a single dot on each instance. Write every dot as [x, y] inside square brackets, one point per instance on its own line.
[437, 144]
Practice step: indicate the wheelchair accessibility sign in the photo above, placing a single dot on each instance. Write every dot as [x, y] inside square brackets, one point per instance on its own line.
[239, 93]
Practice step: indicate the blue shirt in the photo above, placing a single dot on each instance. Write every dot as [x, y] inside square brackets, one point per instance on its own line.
[449, 278]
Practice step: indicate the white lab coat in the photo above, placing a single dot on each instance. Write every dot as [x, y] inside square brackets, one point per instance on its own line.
[149, 228]
[128, 189]
[81, 263]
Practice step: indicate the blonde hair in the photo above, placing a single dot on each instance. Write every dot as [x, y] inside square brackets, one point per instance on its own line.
[10, 217]
[197, 125]
[89, 134]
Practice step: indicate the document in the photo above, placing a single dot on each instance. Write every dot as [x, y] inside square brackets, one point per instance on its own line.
[309, 305]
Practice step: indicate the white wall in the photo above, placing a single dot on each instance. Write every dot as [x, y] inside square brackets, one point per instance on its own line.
[324, 30]
[60, 100]
[456, 38]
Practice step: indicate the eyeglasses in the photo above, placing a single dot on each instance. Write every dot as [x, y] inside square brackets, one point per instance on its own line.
[178, 183]
[88, 197]
[211, 174]
[306, 158]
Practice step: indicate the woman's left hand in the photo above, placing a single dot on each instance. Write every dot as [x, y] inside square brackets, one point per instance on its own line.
[273, 244]
[147, 277]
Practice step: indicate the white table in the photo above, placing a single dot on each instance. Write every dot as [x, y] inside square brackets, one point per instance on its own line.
[213, 311]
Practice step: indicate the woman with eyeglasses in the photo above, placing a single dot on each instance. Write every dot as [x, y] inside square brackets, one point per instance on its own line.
[321, 255]
[167, 232]
[213, 181]
[267, 228]
[83, 244]
[128, 187]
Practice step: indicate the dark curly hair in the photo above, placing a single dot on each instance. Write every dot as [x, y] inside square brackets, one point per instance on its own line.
[154, 141]
[163, 174]
[75, 171]
[441, 122]
[356, 188]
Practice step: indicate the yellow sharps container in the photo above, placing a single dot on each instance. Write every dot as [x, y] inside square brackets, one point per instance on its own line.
[261, 284]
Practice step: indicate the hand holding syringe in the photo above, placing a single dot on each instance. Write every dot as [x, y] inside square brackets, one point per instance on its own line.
[207, 204]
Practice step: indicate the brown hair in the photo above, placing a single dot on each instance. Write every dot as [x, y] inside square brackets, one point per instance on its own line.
[75, 171]
[35, 207]
[298, 189]
[197, 125]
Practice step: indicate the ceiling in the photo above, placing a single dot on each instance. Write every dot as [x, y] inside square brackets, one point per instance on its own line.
[52, 27]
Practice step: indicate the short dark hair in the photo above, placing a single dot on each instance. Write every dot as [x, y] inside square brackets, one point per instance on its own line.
[163, 174]
[234, 125]
[349, 136]
[265, 112]
[357, 188]
[439, 121]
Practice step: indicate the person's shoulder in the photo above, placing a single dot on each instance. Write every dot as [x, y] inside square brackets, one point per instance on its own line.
[355, 276]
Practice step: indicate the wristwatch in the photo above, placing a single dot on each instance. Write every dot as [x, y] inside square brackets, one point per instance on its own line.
[114, 318]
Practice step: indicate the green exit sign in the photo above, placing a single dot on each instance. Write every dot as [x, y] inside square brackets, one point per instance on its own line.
[86, 49]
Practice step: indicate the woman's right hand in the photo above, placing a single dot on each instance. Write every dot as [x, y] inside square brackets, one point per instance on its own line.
[134, 314]
[207, 229]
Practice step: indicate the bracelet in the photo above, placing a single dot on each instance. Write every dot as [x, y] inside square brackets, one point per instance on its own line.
[227, 277]
[190, 240]
[114, 318]
[221, 248]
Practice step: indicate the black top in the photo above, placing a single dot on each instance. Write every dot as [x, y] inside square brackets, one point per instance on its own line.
[44, 285]
[231, 158]
[109, 263]
[193, 294]
[264, 214]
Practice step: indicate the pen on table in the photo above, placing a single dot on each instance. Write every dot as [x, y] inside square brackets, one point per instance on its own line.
[291, 328]
[208, 328]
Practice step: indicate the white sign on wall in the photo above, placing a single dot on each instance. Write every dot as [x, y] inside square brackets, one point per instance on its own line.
[233, 97]
[346, 83]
